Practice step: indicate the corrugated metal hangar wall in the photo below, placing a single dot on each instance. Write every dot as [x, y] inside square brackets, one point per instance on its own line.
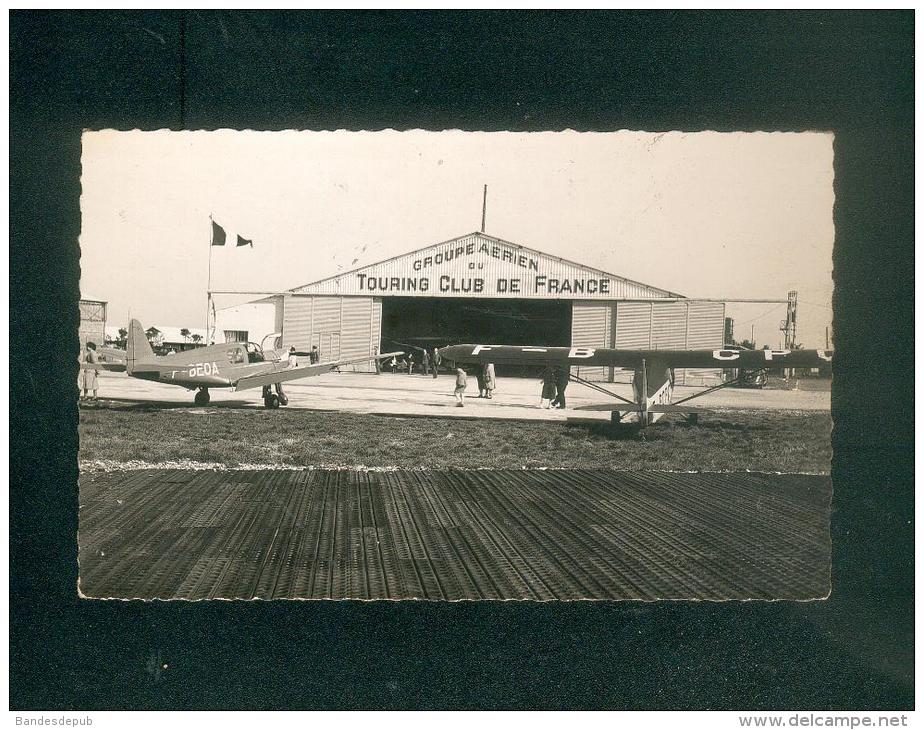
[630, 325]
[340, 327]
[343, 317]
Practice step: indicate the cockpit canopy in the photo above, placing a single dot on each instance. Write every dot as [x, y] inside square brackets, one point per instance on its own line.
[255, 353]
[239, 353]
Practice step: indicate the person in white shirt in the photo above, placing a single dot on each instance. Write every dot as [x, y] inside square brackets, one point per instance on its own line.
[293, 358]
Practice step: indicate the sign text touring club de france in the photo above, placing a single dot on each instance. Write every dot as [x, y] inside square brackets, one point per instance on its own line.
[462, 269]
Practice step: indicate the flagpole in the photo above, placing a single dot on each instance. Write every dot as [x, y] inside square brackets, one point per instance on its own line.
[208, 286]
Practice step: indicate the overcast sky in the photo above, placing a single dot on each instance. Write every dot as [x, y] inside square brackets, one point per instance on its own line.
[710, 215]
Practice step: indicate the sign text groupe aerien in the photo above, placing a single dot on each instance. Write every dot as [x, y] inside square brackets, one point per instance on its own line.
[468, 275]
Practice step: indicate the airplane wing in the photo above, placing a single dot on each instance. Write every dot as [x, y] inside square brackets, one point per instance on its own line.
[583, 356]
[109, 358]
[111, 354]
[113, 367]
[306, 371]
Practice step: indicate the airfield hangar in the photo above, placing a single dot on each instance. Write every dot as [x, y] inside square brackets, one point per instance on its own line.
[480, 289]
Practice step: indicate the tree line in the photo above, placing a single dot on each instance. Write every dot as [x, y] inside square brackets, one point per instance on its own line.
[156, 338]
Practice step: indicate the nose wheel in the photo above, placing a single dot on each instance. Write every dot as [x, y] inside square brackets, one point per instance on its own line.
[202, 397]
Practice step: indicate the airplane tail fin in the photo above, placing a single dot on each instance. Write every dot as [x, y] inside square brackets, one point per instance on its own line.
[137, 348]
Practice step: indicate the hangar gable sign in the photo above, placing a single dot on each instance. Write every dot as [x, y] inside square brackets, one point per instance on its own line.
[478, 265]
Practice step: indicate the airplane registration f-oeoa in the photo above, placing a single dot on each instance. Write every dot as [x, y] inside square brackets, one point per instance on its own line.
[234, 365]
[653, 381]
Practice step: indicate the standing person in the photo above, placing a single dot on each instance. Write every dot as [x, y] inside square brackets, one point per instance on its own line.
[425, 362]
[562, 376]
[489, 382]
[461, 383]
[293, 358]
[479, 374]
[314, 356]
[437, 358]
[378, 364]
[394, 364]
[88, 370]
[410, 363]
[548, 387]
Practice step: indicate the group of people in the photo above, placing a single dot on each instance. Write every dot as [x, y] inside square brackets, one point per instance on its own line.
[554, 381]
[486, 382]
[427, 363]
[314, 356]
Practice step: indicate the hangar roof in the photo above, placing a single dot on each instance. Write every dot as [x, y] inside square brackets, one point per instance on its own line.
[478, 265]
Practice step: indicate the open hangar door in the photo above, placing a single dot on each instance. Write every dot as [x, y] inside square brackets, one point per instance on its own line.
[436, 322]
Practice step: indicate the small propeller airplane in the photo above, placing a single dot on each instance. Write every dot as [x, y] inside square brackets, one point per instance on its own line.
[234, 365]
[653, 381]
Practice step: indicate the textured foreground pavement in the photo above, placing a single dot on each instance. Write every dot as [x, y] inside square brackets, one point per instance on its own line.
[539, 535]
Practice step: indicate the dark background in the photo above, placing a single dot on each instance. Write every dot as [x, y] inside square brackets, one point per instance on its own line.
[847, 72]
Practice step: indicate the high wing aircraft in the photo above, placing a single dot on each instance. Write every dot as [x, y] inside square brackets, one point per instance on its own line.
[653, 382]
[234, 365]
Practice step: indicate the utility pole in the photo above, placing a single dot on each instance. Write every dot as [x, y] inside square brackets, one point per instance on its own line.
[484, 207]
[791, 307]
[729, 331]
[788, 326]
[208, 285]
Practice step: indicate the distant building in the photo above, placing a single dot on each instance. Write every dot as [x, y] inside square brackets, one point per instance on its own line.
[92, 321]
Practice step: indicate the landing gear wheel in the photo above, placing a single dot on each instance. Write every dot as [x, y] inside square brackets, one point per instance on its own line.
[202, 398]
[283, 400]
[271, 401]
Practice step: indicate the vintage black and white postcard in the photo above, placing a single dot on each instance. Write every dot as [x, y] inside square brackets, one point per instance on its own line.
[456, 365]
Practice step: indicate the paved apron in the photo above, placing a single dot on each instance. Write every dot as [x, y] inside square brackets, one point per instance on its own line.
[535, 535]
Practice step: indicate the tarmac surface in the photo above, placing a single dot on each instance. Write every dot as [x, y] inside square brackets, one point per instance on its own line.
[454, 535]
[405, 395]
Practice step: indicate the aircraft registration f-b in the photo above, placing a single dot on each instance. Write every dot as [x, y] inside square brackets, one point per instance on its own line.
[234, 365]
[653, 383]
